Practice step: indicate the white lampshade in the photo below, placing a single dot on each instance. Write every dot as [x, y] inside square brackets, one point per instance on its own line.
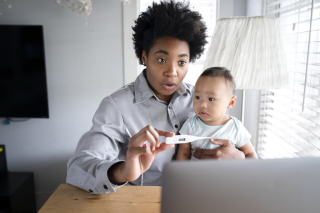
[251, 48]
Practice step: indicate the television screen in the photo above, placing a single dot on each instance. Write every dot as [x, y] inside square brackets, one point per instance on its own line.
[23, 85]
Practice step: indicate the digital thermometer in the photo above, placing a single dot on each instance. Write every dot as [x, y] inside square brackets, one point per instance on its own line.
[183, 139]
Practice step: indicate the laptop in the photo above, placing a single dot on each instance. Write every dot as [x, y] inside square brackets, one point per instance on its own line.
[242, 186]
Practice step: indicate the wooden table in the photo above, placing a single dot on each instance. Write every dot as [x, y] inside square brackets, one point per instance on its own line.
[67, 198]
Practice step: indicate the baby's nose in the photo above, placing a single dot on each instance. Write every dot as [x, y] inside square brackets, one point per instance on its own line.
[203, 104]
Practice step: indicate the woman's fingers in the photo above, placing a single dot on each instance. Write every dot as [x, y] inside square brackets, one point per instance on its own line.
[163, 147]
[206, 153]
[165, 133]
[151, 135]
[155, 136]
[220, 142]
[226, 151]
[146, 134]
[199, 156]
[139, 155]
[145, 150]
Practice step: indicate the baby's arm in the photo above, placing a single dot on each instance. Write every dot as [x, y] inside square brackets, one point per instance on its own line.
[184, 151]
[248, 150]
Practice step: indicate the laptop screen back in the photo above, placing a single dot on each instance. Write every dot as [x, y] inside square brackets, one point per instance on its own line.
[250, 186]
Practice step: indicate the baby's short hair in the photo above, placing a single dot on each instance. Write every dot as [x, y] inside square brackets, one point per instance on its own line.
[221, 72]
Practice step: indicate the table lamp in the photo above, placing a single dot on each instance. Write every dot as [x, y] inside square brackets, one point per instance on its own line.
[251, 48]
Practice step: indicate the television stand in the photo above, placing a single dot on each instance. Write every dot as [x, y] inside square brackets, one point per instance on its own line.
[16, 189]
[17, 192]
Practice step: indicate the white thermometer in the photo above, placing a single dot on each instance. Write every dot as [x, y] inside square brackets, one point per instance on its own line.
[183, 139]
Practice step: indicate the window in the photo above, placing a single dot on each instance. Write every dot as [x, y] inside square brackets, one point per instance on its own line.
[207, 8]
[290, 117]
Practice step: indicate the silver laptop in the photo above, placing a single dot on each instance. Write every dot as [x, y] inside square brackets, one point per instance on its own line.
[246, 186]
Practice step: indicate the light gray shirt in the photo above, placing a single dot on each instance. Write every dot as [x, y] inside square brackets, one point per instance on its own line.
[120, 116]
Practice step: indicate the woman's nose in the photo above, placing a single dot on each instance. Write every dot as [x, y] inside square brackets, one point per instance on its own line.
[171, 71]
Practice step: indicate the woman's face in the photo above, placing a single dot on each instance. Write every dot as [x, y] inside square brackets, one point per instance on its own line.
[167, 64]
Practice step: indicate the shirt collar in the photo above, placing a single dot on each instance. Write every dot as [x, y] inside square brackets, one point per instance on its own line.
[144, 92]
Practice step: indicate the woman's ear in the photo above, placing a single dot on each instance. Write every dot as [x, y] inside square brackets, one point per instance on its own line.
[232, 102]
[144, 58]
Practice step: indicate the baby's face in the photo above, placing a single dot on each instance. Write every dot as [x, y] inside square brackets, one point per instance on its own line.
[212, 97]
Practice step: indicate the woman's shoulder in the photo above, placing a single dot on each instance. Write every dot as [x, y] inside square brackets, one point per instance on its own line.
[189, 87]
[125, 90]
[124, 93]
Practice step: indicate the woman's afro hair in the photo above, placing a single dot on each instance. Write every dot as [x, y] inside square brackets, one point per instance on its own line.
[173, 19]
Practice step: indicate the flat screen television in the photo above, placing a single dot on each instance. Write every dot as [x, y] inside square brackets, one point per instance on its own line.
[23, 84]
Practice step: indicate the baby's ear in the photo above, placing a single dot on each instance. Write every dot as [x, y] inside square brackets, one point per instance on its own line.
[232, 102]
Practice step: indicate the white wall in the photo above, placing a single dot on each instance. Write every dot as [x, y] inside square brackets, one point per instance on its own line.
[240, 8]
[254, 7]
[226, 8]
[84, 64]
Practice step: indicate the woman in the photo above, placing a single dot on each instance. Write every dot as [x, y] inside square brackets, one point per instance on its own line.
[123, 145]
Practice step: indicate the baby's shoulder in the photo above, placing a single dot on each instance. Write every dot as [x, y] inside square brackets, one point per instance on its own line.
[191, 120]
[236, 128]
[188, 124]
[234, 123]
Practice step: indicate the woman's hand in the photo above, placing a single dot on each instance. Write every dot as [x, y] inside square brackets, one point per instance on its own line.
[226, 151]
[139, 155]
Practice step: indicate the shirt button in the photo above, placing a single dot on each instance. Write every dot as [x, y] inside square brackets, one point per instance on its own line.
[176, 126]
[170, 107]
[105, 186]
[90, 191]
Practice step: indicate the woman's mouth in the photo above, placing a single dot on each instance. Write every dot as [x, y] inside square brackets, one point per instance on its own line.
[169, 85]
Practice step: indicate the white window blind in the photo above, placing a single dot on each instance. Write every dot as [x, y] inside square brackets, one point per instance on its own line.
[290, 117]
[207, 8]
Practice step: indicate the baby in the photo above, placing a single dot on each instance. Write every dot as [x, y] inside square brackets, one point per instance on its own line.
[213, 95]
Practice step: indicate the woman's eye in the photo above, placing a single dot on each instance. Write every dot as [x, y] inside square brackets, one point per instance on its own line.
[161, 60]
[182, 63]
[197, 97]
[211, 99]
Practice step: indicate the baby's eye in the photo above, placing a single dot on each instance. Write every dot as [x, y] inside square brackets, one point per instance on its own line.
[211, 99]
[182, 63]
[161, 60]
[197, 97]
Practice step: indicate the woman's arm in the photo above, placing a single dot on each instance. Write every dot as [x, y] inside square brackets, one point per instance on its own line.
[184, 151]
[226, 151]
[248, 150]
[101, 148]
[139, 156]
